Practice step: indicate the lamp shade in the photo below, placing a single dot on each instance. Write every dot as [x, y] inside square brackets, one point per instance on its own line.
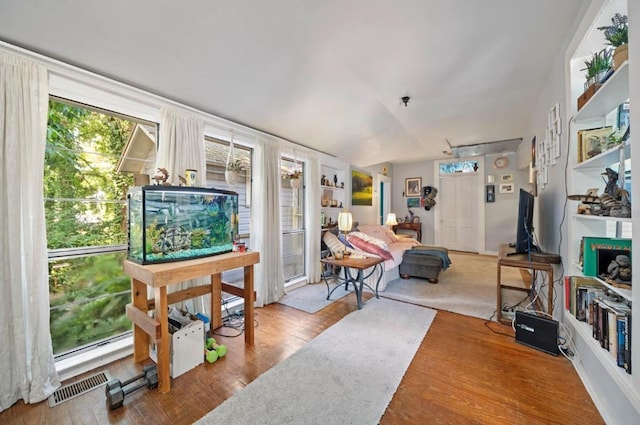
[345, 221]
[391, 219]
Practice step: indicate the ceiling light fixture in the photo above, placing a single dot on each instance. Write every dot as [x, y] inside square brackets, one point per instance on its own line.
[405, 100]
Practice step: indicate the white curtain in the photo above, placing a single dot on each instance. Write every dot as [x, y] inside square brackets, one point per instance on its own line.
[181, 148]
[313, 219]
[266, 227]
[27, 367]
[181, 145]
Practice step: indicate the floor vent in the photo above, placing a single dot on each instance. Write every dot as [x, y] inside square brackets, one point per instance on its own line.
[70, 391]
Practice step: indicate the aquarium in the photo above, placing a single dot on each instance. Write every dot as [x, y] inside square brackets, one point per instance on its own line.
[174, 223]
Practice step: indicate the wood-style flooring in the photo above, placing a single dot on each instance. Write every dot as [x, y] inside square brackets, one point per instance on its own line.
[465, 372]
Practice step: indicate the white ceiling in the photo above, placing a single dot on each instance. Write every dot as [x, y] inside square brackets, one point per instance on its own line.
[325, 74]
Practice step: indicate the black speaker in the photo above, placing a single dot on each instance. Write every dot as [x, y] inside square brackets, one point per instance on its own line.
[537, 332]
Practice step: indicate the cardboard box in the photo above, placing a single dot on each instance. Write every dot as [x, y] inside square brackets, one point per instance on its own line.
[186, 348]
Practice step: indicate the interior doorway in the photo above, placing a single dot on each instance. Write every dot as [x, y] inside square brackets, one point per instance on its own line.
[384, 207]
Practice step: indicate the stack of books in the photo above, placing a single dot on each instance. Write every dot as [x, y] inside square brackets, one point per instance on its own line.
[609, 316]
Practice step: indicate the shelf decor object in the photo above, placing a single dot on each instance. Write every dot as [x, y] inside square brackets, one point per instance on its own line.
[617, 35]
[597, 68]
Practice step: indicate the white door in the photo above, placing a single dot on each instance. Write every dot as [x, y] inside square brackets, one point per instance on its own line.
[459, 217]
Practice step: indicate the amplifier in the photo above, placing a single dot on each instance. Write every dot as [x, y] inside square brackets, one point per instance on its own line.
[537, 332]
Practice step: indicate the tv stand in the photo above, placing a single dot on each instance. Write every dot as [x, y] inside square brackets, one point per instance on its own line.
[508, 258]
[534, 249]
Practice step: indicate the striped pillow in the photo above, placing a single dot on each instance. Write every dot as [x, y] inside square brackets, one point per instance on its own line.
[333, 243]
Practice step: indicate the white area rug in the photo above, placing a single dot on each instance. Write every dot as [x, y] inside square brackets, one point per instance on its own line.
[313, 297]
[468, 287]
[346, 375]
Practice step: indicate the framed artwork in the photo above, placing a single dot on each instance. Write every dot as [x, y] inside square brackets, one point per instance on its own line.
[507, 188]
[533, 152]
[416, 219]
[490, 192]
[593, 142]
[506, 178]
[412, 186]
[413, 202]
[361, 188]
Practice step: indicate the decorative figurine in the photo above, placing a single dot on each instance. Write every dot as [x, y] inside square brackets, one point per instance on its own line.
[161, 177]
[619, 269]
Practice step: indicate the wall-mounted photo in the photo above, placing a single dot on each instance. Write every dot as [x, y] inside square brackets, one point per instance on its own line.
[413, 202]
[506, 178]
[361, 188]
[507, 188]
[412, 186]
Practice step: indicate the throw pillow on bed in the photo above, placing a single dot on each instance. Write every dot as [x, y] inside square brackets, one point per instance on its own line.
[369, 246]
[333, 243]
[377, 231]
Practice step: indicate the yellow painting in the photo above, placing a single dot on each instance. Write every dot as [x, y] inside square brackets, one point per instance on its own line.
[361, 188]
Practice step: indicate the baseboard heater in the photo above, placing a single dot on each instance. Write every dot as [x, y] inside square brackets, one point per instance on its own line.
[537, 332]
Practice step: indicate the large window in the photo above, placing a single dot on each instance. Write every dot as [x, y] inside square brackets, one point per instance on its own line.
[216, 156]
[292, 213]
[85, 187]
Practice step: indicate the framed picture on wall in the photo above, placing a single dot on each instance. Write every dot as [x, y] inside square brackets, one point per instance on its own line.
[506, 178]
[361, 188]
[507, 188]
[413, 202]
[412, 186]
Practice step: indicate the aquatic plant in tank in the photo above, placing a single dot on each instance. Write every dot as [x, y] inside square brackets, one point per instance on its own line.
[169, 223]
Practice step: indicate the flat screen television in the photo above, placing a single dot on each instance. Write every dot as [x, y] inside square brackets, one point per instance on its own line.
[524, 233]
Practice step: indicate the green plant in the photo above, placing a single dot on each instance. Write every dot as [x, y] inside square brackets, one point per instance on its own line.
[235, 166]
[295, 174]
[617, 33]
[598, 63]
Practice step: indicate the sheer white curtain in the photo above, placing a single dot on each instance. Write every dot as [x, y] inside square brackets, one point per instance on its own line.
[27, 368]
[266, 227]
[313, 219]
[181, 147]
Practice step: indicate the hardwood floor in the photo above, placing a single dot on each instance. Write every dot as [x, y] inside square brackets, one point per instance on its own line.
[464, 372]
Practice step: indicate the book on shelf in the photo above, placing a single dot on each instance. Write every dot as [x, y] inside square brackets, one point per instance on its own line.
[608, 315]
[576, 289]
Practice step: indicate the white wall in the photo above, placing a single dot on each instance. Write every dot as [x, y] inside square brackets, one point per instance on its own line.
[369, 214]
[500, 216]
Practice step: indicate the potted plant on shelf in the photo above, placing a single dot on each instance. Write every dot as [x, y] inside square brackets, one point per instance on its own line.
[232, 173]
[617, 35]
[597, 68]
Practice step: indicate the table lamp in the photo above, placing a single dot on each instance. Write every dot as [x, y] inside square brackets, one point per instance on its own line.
[345, 222]
[391, 220]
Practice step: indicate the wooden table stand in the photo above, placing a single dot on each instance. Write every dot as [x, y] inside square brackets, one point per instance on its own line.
[507, 258]
[148, 330]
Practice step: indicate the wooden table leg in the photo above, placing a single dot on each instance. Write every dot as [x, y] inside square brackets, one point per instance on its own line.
[499, 295]
[162, 345]
[216, 301]
[248, 305]
[140, 337]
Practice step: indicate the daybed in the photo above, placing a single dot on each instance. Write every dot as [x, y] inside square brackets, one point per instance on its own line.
[378, 240]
